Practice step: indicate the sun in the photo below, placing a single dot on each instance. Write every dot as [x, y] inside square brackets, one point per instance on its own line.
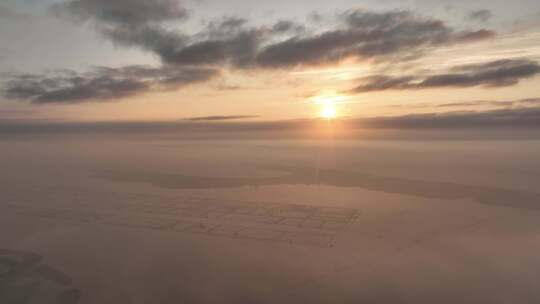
[328, 111]
[328, 101]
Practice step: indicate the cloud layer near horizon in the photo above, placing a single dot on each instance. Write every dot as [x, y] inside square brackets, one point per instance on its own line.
[212, 126]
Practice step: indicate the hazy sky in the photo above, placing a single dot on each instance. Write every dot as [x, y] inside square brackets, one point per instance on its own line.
[101, 60]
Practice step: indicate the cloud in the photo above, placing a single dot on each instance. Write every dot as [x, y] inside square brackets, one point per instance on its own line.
[133, 12]
[482, 15]
[231, 41]
[366, 35]
[238, 50]
[286, 26]
[11, 14]
[155, 26]
[521, 117]
[495, 103]
[227, 87]
[100, 84]
[152, 38]
[498, 73]
[210, 127]
[129, 23]
[531, 101]
[477, 103]
[221, 118]
[527, 102]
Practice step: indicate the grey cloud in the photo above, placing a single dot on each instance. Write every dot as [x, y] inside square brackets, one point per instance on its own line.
[227, 87]
[326, 47]
[225, 26]
[496, 103]
[231, 41]
[522, 117]
[130, 23]
[382, 83]
[527, 102]
[531, 101]
[482, 15]
[209, 127]
[238, 50]
[374, 20]
[11, 14]
[221, 117]
[367, 35]
[473, 36]
[498, 73]
[133, 12]
[474, 103]
[316, 17]
[150, 38]
[100, 84]
[477, 103]
[285, 26]
[228, 41]
[223, 41]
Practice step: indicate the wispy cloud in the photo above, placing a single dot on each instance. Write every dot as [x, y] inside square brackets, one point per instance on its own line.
[227, 42]
[11, 14]
[218, 126]
[474, 103]
[520, 117]
[482, 15]
[221, 117]
[123, 12]
[101, 84]
[498, 73]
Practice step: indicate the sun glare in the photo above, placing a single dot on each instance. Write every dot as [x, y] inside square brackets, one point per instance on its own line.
[328, 98]
[328, 111]
[328, 102]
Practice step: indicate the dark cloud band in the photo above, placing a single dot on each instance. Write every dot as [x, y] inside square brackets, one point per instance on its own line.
[221, 118]
[133, 12]
[209, 127]
[482, 15]
[499, 73]
[358, 34]
[101, 84]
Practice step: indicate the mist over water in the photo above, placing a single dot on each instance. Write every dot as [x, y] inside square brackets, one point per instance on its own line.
[153, 220]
